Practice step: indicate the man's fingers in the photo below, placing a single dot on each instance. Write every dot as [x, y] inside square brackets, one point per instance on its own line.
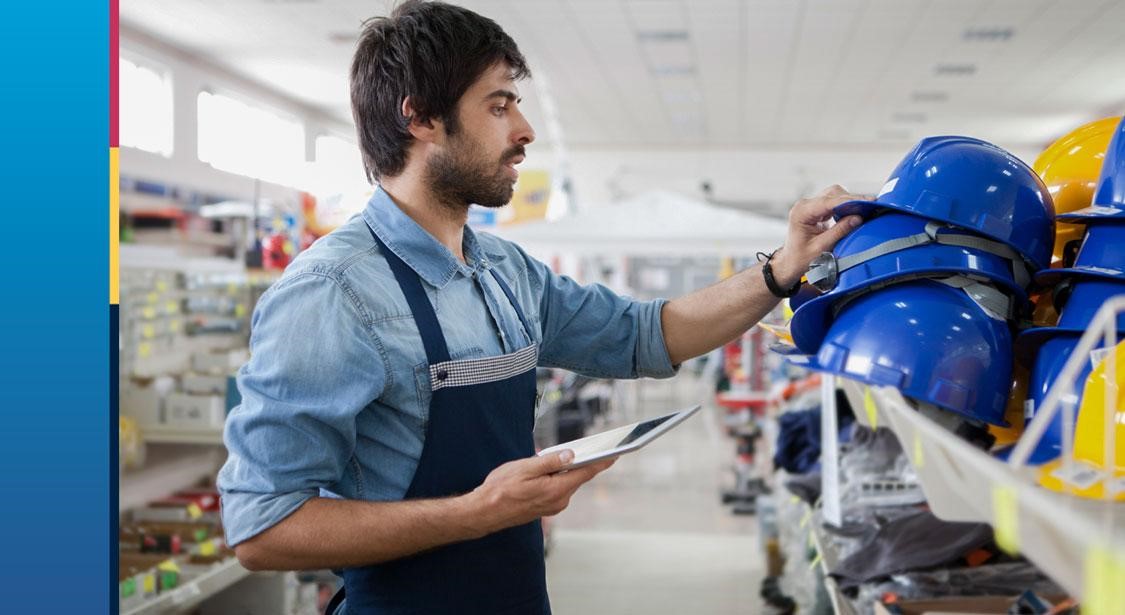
[549, 464]
[827, 240]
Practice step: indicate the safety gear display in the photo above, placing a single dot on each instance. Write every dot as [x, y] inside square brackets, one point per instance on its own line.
[1076, 299]
[1109, 195]
[1070, 168]
[931, 340]
[1014, 411]
[1086, 477]
[1049, 362]
[897, 247]
[974, 185]
[1102, 254]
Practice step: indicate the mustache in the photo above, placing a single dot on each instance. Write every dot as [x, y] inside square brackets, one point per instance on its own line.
[512, 153]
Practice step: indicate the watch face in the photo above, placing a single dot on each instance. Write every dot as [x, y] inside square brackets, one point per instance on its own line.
[823, 272]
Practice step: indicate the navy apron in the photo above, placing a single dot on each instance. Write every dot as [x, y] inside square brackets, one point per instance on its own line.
[482, 412]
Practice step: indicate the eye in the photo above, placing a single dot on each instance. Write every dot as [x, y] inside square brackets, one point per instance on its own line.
[499, 110]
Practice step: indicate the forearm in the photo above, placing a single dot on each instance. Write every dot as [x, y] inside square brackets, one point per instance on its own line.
[701, 321]
[330, 533]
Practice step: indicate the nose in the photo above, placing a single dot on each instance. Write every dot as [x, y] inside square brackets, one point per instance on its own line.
[524, 134]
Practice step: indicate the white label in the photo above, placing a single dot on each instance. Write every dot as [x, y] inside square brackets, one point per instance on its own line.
[1028, 409]
[1079, 475]
[887, 187]
[1098, 210]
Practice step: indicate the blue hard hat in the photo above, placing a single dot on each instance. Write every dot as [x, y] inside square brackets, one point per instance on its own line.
[974, 185]
[930, 340]
[1109, 197]
[1048, 365]
[895, 246]
[1102, 255]
[1076, 300]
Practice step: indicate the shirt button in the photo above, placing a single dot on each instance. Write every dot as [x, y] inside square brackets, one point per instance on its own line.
[442, 374]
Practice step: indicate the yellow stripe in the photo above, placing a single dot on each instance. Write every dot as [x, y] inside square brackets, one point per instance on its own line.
[114, 225]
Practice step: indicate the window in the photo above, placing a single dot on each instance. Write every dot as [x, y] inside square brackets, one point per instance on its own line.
[248, 140]
[145, 107]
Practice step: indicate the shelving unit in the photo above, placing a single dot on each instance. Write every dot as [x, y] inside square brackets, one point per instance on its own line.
[167, 469]
[189, 595]
[1061, 534]
[179, 435]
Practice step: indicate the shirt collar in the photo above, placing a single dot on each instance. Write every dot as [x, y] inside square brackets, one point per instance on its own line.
[431, 260]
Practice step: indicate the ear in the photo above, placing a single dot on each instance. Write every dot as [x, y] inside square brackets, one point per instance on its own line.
[426, 131]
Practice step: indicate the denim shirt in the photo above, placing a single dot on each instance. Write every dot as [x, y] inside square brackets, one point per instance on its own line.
[336, 395]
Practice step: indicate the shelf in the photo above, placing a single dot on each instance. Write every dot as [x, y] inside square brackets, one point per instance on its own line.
[181, 435]
[189, 595]
[1061, 534]
[167, 471]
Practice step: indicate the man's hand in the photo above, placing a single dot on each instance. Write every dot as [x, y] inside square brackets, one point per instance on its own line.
[810, 233]
[527, 489]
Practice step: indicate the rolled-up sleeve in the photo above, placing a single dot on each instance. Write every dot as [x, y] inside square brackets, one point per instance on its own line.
[314, 366]
[594, 331]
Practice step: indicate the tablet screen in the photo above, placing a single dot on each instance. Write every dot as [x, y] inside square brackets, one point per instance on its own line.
[614, 438]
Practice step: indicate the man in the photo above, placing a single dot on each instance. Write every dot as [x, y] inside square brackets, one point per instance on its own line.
[387, 411]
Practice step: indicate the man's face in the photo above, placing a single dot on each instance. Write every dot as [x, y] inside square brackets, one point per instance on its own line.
[477, 162]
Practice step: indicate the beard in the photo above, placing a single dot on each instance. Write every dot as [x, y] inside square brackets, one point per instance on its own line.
[463, 175]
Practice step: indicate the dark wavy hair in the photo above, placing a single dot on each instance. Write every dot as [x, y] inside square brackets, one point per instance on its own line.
[431, 52]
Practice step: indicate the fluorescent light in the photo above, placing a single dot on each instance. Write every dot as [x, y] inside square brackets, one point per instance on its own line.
[960, 69]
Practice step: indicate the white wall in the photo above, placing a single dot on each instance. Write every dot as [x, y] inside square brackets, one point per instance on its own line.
[183, 168]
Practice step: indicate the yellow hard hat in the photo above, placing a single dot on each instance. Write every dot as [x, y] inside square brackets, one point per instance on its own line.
[1090, 435]
[1070, 168]
[1013, 414]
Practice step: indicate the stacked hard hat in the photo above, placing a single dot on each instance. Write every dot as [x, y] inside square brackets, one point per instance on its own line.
[1092, 469]
[1090, 272]
[922, 295]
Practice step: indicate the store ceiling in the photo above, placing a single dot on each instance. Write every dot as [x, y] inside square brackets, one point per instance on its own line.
[741, 73]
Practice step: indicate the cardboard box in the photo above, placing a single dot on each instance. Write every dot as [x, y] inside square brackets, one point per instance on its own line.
[140, 402]
[219, 362]
[205, 384]
[195, 411]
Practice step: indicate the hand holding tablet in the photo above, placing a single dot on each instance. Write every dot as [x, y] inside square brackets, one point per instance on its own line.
[620, 440]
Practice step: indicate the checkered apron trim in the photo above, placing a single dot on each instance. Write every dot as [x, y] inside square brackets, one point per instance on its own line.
[480, 371]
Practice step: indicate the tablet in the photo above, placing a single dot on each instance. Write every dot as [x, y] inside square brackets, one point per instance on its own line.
[620, 440]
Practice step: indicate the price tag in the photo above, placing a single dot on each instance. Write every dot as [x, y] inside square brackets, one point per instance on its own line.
[174, 325]
[207, 547]
[869, 408]
[152, 298]
[161, 286]
[232, 289]
[194, 511]
[200, 535]
[149, 312]
[1005, 518]
[918, 458]
[144, 349]
[1104, 573]
[128, 587]
[1078, 474]
[240, 310]
[168, 565]
[149, 332]
[148, 583]
[171, 307]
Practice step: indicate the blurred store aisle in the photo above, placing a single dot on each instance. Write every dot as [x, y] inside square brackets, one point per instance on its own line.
[650, 535]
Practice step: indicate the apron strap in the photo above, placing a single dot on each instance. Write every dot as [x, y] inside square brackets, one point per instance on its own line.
[424, 316]
[515, 304]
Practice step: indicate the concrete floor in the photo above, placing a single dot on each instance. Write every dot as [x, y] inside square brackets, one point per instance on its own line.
[650, 535]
